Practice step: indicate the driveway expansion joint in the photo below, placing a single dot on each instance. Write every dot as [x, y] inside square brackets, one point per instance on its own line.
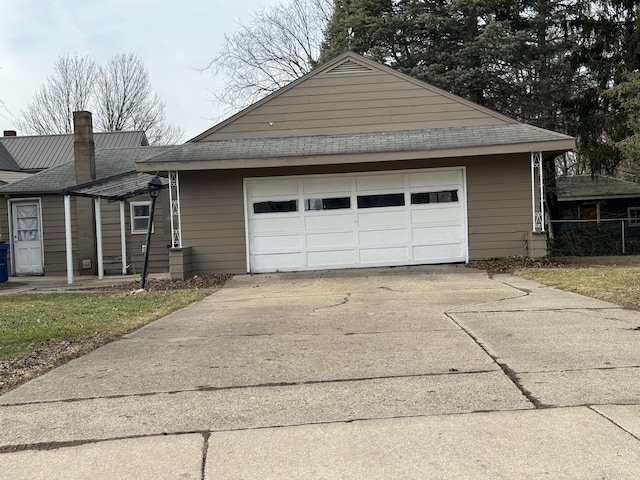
[244, 387]
[617, 425]
[508, 371]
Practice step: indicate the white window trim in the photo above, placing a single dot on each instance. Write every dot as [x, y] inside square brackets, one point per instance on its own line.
[634, 221]
[132, 206]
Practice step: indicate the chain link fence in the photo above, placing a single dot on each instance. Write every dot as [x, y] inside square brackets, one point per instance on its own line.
[620, 236]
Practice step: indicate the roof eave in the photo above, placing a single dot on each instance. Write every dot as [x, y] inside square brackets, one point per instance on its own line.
[152, 165]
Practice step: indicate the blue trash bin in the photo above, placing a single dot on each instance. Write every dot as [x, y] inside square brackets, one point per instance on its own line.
[4, 268]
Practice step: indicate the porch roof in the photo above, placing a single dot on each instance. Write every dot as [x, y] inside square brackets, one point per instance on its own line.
[115, 188]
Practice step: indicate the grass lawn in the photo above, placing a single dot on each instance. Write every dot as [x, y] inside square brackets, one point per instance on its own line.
[33, 321]
[619, 284]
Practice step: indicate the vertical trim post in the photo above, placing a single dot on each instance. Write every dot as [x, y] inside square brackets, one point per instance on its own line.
[123, 238]
[96, 203]
[68, 238]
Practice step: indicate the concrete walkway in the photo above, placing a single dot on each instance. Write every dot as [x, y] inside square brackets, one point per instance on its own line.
[428, 372]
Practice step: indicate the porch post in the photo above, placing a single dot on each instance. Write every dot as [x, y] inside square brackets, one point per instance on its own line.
[537, 208]
[123, 238]
[174, 200]
[96, 202]
[68, 238]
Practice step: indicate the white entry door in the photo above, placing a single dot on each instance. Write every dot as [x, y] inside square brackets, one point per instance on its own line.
[27, 238]
[356, 220]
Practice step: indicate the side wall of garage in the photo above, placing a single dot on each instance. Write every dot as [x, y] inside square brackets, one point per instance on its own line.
[498, 202]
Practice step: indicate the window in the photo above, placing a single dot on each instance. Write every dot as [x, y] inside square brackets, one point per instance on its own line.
[140, 212]
[445, 196]
[327, 203]
[386, 200]
[634, 216]
[276, 207]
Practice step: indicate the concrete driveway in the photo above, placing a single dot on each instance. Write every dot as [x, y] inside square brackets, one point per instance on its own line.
[426, 372]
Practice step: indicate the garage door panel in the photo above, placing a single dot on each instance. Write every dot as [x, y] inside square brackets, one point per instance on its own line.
[323, 221]
[388, 217]
[277, 188]
[435, 180]
[380, 182]
[330, 240]
[447, 215]
[387, 255]
[284, 243]
[439, 253]
[332, 258]
[388, 237]
[327, 186]
[282, 262]
[275, 225]
[429, 235]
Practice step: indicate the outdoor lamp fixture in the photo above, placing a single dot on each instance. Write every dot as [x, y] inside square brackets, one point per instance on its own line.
[155, 185]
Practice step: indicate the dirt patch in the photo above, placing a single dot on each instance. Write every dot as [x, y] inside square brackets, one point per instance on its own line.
[16, 372]
[512, 264]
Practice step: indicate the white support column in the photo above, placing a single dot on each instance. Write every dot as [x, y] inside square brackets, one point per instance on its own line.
[123, 237]
[537, 176]
[68, 238]
[96, 202]
[174, 200]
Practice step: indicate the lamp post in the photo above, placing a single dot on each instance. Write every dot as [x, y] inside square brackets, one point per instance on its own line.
[155, 185]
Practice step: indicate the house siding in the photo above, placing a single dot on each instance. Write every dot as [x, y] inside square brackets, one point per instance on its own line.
[353, 103]
[499, 213]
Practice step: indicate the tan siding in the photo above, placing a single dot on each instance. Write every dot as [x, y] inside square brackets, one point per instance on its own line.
[355, 103]
[212, 210]
[499, 222]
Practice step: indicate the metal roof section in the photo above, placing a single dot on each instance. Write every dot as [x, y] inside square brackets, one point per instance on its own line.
[108, 163]
[7, 162]
[116, 187]
[587, 187]
[39, 152]
[325, 149]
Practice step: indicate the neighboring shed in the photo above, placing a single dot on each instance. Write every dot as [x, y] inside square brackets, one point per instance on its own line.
[595, 197]
[356, 165]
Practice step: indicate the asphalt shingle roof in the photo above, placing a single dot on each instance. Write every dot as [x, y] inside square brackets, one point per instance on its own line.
[108, 163]
[406, 140]
[586, 186]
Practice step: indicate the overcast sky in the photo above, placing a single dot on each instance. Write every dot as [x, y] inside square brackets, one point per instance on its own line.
[173, 38]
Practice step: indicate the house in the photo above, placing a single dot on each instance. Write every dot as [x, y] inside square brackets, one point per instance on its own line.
[596, 197]
[51, 225]
[356, 165]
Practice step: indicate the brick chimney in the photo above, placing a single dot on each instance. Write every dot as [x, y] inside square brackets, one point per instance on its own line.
[83, 149]
[84, 156]
[9, 133]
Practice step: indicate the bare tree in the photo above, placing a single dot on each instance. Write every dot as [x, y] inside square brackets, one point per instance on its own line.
[277, 46]
[69, 88]
[125, 100]
[119, 94]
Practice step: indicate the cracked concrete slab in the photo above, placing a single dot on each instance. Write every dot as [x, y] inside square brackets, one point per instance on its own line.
[259, 407]
[156, 458]
[584, 387]
[626, 416]
[561, 443]
[557, 340]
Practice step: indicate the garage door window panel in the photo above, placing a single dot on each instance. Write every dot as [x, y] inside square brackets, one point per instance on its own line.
[444, 196]
[380, 201]
[280, 206]
[338, 203]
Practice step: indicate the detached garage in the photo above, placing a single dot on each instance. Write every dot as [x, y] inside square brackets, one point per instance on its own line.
[356, 165]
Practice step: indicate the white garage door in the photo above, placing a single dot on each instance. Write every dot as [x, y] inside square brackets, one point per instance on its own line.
[356, 220]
